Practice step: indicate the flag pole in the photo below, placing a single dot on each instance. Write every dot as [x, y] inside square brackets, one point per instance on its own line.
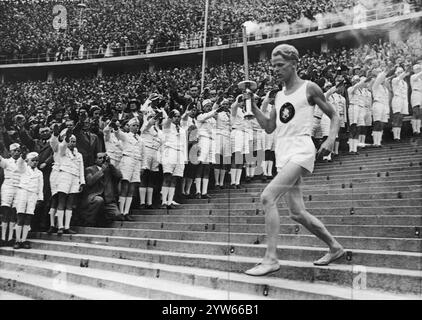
[204, 45]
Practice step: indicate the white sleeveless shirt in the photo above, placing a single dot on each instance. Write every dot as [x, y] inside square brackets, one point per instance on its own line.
[294, 113]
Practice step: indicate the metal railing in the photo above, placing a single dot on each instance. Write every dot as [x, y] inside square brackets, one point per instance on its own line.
[345, 18]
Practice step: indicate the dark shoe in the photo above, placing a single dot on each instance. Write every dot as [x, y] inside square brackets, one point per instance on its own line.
[163, 206]
[17, 245]
[3, 243]
[248, 179]
[119, 217]
[26, 245]
[142, 206]
[264, 178]
[205, 196]
[172, 206]
[60, 231]
[233, 186]
[69, 231]
[238, 186]
[149, 206]
[127, 218]
[52, 230]
[10, 243]
[217, 187]
[198, 196]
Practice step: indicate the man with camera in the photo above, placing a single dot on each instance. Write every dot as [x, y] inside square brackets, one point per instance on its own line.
[99, 199]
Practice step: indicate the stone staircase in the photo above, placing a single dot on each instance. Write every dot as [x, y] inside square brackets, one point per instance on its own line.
[371, 202]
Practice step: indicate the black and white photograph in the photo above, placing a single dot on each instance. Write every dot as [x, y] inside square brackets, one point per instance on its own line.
[238, 151]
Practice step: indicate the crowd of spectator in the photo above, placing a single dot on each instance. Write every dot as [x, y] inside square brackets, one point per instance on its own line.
[105, 28]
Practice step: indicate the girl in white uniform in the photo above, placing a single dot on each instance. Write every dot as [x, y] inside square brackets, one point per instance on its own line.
[356, 112]
[71, 179]
[416, 98]
[13, 168]
[338, 101]
[206, 124]
[380, 106]
[174, 154]
[267, 165]
[152, 140]
[399, 103]
[255, 156]
[222, 142]
[113, 145]
[130, 164]
[54, 143]
[295, 155]
[239, 138]
[30, 191]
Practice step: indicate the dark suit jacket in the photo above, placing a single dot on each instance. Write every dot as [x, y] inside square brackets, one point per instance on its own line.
[87, 144]
[101, 183]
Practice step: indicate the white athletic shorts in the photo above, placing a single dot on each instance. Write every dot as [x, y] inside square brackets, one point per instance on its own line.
[67, 182]
[297, 149]
[399, 105]
[416, 98]
[25, 201]
[269, 141]
[258, 140]
[131, 169]
[8, 194]
[54, 181]
[239, 141]
[222, 145]
[150, 159]
[368, 117]
[173, 162]
[357, 115]
[206, 152]
[380, 112]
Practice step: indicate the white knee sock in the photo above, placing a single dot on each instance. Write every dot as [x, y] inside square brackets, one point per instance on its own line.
[198, 185]
[25, 231]
[122, 201]
[170, 195]
[204, 186]
[336, 146]
[150, 193]
[270, 168]
[233, 175]
[252, 172]
[222, 175]
[217, 176]
[128, 202]
[18, 233]
[238, 176]
[361, 138]
[398, 133]
[418, 126]
[351, 145]
[264, 165]
[164, 194]
[67, 218]
[3, 230]
[11, 230]
[52, 216]
[142, 195]
[60, 215]
[414, 125]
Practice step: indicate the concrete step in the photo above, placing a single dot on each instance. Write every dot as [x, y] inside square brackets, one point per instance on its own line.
[257, 210]
[388, 279]
[404, 220]
[47, 288]
[387, 231]
[375, 258]
[412, 244]
[133, 286]
[338, 167]
[4, 295]
[310, 196]
[375, 160]
[240, 204]
[268, 287]
[386, 191]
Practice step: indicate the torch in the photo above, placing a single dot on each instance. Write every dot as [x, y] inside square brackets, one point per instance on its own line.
[247, 85]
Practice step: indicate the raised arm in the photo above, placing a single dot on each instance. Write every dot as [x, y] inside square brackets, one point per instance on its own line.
[266, 123]
[379, 79]
[315, 96]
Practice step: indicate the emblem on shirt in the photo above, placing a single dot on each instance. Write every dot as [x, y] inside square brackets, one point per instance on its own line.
[287, 112]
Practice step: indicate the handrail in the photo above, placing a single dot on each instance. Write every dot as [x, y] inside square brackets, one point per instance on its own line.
[342, 19]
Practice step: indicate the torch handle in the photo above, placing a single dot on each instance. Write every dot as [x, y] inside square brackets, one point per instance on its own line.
[245, 53]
